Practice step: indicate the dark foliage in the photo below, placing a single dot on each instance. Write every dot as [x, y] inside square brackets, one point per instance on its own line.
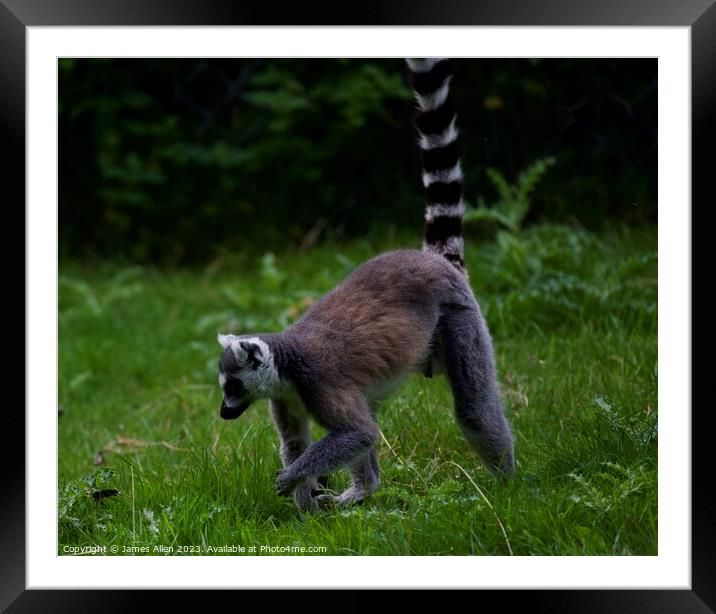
[171, 160]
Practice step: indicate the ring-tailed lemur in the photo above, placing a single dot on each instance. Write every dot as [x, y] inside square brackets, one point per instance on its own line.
[398, 313]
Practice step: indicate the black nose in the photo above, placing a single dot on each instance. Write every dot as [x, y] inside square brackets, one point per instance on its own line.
[231, 413]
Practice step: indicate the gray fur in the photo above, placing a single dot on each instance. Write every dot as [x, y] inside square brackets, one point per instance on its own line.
[470, 367]
[393, 315]
[294, 428]
[365, 480]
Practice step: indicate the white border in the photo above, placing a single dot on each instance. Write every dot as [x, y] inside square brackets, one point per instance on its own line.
[670, 569]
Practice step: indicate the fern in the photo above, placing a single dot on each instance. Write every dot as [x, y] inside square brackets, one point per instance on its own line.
[513, 202]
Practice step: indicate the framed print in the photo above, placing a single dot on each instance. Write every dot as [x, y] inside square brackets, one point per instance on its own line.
[194, 175]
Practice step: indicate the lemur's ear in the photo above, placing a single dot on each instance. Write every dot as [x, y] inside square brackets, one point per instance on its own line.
[251, 351]
[225, 340]
[254, 354]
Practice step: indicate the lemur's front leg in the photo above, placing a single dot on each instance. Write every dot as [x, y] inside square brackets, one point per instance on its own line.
[294, 428]
[352, 434]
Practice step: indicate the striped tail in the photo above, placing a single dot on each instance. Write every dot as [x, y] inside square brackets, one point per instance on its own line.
[442, 175]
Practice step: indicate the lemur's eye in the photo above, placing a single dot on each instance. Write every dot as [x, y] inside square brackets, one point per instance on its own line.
[235, 388]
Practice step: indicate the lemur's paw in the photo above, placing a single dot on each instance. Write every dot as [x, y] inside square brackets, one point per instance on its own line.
[327, 501]
[285, 483]
[305, 499]
[347, 497]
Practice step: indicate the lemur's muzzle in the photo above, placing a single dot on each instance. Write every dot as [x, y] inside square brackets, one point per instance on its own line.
[233, 412]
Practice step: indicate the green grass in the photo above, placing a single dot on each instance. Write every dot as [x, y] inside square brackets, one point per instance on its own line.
[574, 321]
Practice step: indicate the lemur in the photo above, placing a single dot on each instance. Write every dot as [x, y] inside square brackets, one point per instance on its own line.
[401, 312]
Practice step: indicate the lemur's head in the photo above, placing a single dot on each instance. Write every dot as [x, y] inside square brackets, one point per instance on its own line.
[246, 372]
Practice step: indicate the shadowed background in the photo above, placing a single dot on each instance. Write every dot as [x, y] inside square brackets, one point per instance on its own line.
[174, 160]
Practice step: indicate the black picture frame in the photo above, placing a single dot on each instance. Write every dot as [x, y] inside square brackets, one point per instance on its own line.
[700, 15]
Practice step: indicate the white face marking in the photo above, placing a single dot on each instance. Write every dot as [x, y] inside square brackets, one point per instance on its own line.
[260, 380]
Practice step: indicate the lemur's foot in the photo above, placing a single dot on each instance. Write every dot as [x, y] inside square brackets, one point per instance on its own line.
[285, 483]
[305, 499]
[348, 496]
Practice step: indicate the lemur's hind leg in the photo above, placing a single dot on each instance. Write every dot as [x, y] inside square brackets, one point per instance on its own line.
[294, 429]
[470, 365]
[365, 480]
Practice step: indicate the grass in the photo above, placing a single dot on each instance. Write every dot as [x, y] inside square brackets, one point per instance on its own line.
[574, 322]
